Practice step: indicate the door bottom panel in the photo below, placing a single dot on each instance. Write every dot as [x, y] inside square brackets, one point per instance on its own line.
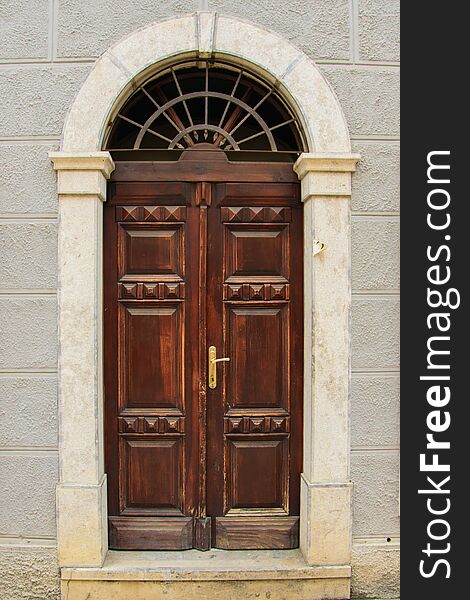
[150, 533]
[251, 533]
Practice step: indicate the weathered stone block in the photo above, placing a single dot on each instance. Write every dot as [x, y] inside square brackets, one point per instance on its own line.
[35, 99]
[29, 255]
[375, 495]
[375, 410]
[29, 405]
[375, 331]
[29, 332]
[375, 253]
[379, 30]
[24, 29]
[375, 571]
[368, 96]
[28, 498]
[376, 184]
[27, 180]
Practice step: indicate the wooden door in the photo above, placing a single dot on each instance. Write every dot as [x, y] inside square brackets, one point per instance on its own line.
[210, 258]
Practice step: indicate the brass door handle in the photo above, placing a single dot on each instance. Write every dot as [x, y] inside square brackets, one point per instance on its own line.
[213, 360]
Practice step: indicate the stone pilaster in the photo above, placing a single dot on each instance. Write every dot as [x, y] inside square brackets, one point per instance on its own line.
[81, 492]
[325, 524]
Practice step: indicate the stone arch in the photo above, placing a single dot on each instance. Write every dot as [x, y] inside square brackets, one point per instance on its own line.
[205, 35]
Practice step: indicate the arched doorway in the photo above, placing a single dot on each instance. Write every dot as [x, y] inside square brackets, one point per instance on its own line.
[324, 170]
[203, 263]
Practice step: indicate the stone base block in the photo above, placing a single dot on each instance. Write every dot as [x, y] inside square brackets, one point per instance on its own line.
[376, 570]
[325, 523]
[82, 524]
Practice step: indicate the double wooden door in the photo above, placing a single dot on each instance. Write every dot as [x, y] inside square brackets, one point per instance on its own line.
[199, 453]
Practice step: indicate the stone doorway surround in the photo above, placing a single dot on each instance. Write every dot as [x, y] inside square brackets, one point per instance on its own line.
[321, 569]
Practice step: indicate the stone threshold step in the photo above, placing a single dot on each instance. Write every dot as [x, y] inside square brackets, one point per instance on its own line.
[193, 565]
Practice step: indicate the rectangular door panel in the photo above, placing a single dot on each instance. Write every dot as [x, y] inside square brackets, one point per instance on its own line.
[258, 474]
[258, 194]
[256, 253]
[150, 251]
[151, 341]
[258, 347]
[152, 474]
[136, 191]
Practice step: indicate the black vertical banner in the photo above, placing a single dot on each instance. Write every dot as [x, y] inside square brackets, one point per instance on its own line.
[435, 330]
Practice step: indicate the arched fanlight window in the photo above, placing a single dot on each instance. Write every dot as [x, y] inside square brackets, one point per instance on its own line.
[208, 103]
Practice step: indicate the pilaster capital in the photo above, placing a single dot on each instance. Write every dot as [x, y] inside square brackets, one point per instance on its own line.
[330, 162]
[83, 161]
[325, 174]
[82, 173]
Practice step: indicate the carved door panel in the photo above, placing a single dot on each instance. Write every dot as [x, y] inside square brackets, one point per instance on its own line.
[190, 265]
[151, 369]
[255, 319]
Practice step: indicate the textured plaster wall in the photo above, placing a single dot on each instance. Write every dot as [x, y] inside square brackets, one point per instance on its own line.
[28, 572]
[47, 47]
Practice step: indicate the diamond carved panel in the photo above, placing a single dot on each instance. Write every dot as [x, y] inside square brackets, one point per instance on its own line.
[247, 291]
[151, 291]
[151, 425]
[255, 214]
[257, 425]
[151, 213]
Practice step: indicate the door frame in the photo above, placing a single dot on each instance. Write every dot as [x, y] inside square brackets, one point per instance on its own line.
[325, 175]
[202, 180]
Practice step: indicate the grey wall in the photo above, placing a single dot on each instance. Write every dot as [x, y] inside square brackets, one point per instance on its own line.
[47, 48]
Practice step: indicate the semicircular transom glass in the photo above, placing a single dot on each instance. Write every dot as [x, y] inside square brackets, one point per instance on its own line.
[213, 104]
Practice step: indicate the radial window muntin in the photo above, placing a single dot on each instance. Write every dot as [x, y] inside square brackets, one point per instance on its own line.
[206, 102]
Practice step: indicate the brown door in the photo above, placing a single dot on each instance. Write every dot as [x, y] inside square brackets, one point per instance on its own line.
[208, 265]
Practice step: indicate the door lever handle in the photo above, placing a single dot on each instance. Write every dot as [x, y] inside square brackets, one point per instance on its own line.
[213, 360]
